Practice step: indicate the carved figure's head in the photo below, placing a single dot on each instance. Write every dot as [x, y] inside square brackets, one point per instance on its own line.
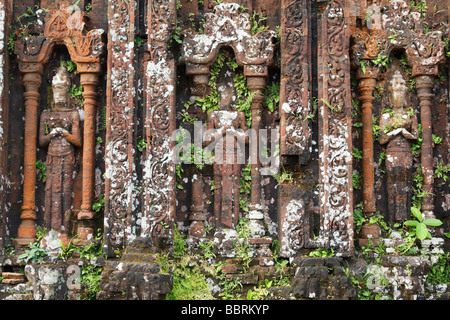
[397, 90]
[60, 86]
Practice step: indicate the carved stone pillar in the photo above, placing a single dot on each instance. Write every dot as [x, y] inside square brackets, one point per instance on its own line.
[89, 81]
[295, 95]
[120, 175]
[335, 127]
[367, 47]
[366, 86]
[32, 78]
[197, 216]
[424, 54]
[256, 211]
[32, 54]
[424, 85]
[159, 166]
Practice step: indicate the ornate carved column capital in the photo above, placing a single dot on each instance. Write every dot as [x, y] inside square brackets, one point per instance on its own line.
[368, 46]
[229, 26]
[425, 52]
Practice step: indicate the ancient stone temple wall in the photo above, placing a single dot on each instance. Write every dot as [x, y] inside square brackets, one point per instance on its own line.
[303, 136]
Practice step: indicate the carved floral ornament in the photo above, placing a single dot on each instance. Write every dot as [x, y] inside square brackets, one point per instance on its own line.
[65, 25]
[400, 28]
[228, 26]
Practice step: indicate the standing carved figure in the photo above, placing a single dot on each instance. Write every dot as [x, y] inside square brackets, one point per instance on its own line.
[398, 128]
[229, 136]
[60, 131]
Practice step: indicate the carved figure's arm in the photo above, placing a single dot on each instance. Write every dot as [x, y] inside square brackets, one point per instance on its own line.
[384, 137]
[44, 138]
[414, 134]
[74, 137]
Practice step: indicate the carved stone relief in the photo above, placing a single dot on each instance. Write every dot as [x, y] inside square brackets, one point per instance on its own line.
[398, 129]
[60, 132]
[120, 183]
[310, 59]
[159, 167]
[33, 53]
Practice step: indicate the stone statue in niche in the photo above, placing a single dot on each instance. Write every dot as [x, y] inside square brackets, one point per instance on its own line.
[227, 129]
[398, 129]
[60, 132]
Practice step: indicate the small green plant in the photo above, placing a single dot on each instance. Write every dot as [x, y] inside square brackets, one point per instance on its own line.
[417, 144]
[91, 270]
[441, 171]
[33, 254]
[70, 66]
[436, 140]
[260, 292]
[41, 171]
[335, 108]
[245, 97]
[321, 253]
[382, 61]
[357, 180]
[241, 246]
[315, 104]
[141, 144]
[257, 23]
[375, 129]
[207, 249]
[90, 278]
[185, 114]
[283, 176]
[211, 101]
[358, 217]
[40, 233]
[99, 204]
[383, 156]
[19, 28]
[179, 243]
[77, 93]
[67, 251]
[357, 153]
[420, 6]
[138, 41]
[231, 289]
[103, 119]
[418, 227]
[176, 37]
[189, 283]
[440, 271]
[272, 94]
[362, 64]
